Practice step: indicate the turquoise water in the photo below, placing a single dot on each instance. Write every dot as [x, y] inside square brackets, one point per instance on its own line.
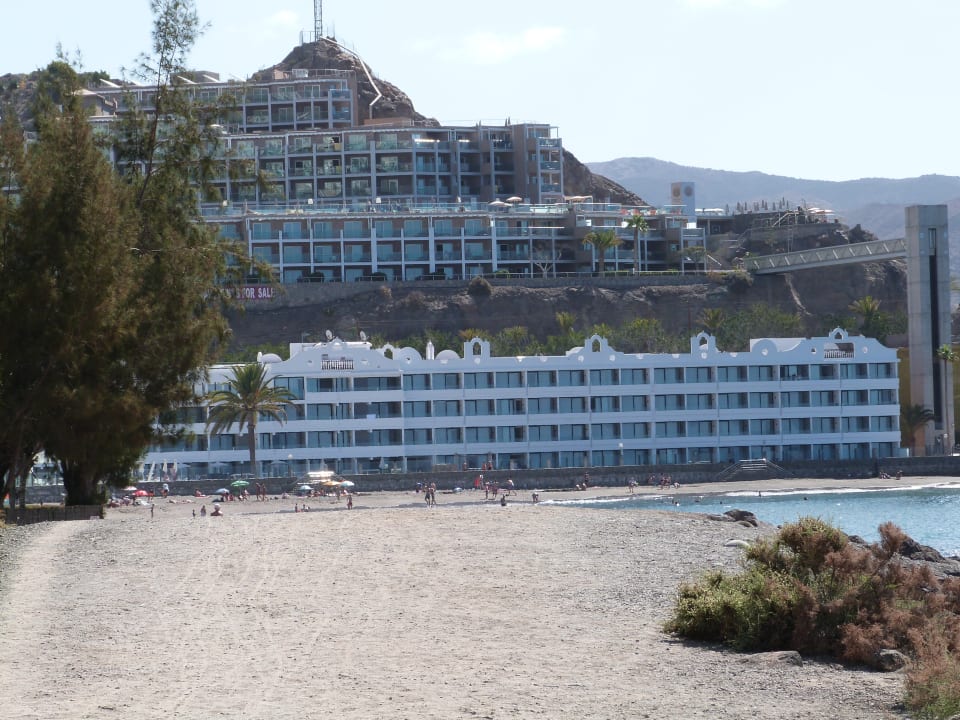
[930, 515]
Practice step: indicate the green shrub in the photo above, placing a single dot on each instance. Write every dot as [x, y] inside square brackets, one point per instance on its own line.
[810, 589]
[479, 287]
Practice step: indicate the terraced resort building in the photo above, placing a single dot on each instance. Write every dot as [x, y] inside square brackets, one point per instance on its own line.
[360, 409]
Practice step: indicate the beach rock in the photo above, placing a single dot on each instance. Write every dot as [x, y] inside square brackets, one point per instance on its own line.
[915, 551]
[737, 543]
[890, 660]
[777, 657]
[720, 518]
[742, 516]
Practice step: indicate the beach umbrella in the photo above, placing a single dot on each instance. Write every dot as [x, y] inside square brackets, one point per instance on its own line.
[140, 493]
[129, 489]
[239, 483]
[514, 199]
[222, 491]
[306, 488]
[347, 483]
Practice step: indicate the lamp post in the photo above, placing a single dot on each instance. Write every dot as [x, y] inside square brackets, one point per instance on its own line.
[289, 464]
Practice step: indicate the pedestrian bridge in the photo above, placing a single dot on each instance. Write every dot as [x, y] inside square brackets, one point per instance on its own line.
[874, 250]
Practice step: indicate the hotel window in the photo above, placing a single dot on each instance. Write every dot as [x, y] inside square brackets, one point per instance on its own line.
[293, 384]
[446, 436]
[510, 406]
[765, 426]
[446, 408]
[541, 406]
[475, 226]
[632, 431]
[510, 433]
[669, 402]
[824, 398]
[604, 403]
[854, 371]
[700, 428]
[855, 424]
[353, 229]
[262, 231]
[378, 438]
[763, 400]
[667, 375]
[478, 407]
[541, 378]
[794, 372]
[884, 423]
[883, 397]
[854, 397]
[703, 401]
[542, 433]
[293, 412]
[572, 432]
[480, 434]
[329, 439]
[322, 411]
[762, 373]
[376, 384]
[416, 382]
[446, 381]
[570, 378]
[479, 380]
[670, 429]
[795, 399]
[413, 228]
[634, 377]
[605, 431]
[732, 373]
[341, 384]
[293, 231]
[512, 379]
[727, 428]
[443, 228]
[699, 375]
[384, 228]
[416, 408]
[634, 403]
[795, 426]
[418, 436]
[572, 405]
[883, 370]
[823, 372]
[604, 377]
[825, 425]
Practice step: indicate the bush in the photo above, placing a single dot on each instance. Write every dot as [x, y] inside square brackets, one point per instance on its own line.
[810, 589]
[479, 287]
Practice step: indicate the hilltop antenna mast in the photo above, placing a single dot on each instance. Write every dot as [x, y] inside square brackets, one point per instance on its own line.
[317, 20]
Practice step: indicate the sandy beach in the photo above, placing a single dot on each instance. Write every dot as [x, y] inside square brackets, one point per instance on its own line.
[390, 610]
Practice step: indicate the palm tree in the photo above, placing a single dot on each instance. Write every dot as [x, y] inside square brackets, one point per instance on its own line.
[248, 395]
[874, 323]
[912, 419]
[638, 224]
[602, 240]
[947, 356]
[712, 320]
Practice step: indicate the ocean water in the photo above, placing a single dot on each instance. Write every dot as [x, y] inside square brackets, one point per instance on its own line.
[928, 514]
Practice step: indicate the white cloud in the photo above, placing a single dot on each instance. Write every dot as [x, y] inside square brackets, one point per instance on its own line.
[487, 48]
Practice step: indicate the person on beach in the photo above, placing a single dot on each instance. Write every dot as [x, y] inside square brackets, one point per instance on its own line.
[217, 512]
[203, 511]
[349, 501]
[503, 500]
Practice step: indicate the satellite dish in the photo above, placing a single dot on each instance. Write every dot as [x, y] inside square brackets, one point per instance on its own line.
[363, 336]
[329, 335]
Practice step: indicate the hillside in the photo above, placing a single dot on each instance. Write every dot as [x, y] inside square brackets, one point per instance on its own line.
[399, 310]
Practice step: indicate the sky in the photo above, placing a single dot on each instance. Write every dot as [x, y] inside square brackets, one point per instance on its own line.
[813, 89]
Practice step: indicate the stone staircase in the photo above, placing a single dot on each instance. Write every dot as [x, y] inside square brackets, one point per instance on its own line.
[761, 469]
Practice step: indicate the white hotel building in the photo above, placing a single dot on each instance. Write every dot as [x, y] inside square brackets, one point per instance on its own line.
[360, 409]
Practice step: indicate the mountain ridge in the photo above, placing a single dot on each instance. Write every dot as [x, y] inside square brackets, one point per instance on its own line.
[875, 204]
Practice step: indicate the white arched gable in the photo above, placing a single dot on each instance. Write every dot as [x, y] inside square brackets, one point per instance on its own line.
[596, 344]
[476, 348]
